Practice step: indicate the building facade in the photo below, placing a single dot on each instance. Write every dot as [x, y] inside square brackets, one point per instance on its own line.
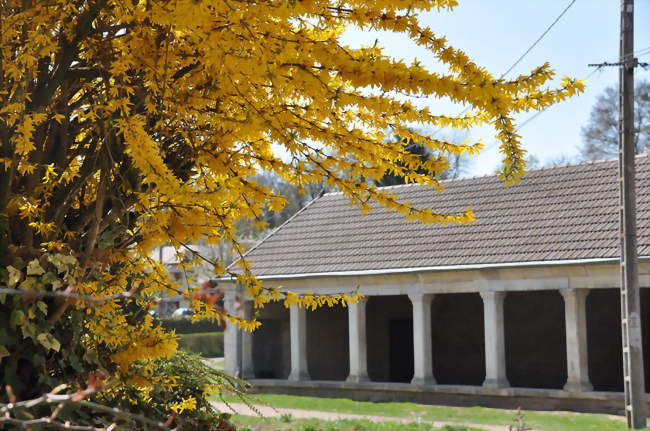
[521, 308]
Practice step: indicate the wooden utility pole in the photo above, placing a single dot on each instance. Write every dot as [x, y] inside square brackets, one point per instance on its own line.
[630, 296]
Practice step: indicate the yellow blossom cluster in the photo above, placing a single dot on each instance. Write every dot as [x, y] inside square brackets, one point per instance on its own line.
[125, 125]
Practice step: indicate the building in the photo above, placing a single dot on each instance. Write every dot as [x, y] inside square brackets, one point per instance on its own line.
[520, 308]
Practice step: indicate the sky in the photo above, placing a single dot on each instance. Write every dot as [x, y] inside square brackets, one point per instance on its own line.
[495, 33]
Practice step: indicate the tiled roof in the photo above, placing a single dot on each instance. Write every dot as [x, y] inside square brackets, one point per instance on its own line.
[561, 213]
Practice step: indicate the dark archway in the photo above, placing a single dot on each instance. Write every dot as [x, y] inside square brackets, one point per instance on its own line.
[535, 337]
[604, 342]
[327, 343]
[389, 322]
[604, 338]
[458, 339]
[272, 343]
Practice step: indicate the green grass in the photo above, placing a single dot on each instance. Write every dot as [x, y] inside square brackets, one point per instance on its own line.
[543, 421]
[249, 423]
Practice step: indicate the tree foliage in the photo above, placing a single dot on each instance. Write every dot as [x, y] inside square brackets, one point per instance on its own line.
[457, 163]
[128, 124]
[601, 132]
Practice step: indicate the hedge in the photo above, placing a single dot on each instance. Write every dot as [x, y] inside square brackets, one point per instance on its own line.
[206, 344]
[184, 325]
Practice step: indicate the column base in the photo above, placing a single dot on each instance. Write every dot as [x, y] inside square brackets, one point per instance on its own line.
[357, 379]
[578, 387]
[299, 376]
[496, 383]
[247, 375]
[423, 381]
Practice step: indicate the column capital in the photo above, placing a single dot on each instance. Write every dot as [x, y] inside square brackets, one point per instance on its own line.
[493, 294]
[360, 302]
[572, 292]
[420, 297]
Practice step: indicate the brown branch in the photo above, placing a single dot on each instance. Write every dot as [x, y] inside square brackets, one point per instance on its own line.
[73, 296]
[74, 398]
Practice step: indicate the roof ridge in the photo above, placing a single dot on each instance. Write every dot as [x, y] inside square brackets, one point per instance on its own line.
[541, 168]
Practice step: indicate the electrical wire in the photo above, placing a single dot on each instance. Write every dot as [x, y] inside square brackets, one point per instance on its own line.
[537, 114]
[530, 48]
[539, 39]
[638, 53]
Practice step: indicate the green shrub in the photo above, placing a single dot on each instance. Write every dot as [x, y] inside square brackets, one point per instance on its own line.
[194, 380]
[184, 325]
[208, 344]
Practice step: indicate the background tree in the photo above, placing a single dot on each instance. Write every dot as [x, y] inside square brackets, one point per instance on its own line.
[459, 164]
[129, 124]
[601, 132]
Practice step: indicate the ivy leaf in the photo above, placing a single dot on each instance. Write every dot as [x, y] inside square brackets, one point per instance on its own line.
[48, 341]
[28, 329]
[14, 276]
[42, 306]
[35, 268]
[31, 283]
[62, 262]
[17, 318]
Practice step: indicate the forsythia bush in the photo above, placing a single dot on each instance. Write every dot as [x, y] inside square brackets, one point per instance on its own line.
[125, 124]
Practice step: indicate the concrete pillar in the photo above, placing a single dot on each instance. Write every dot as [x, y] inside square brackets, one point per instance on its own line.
[422, 346]
[247, 368]
[298, 329]
[575, 318]
[495, 346]
[357, 340]
[230, 344]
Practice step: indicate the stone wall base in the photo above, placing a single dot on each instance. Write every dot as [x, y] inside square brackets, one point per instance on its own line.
[461, 396]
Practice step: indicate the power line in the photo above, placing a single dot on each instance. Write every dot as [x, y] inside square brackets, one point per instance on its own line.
[537, 114]
[530, 48]
[539, 39]
[638, 53]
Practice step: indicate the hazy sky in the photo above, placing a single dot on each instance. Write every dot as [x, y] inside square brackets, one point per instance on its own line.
[496, 32]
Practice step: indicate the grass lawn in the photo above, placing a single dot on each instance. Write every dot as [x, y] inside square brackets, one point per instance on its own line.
[544, 421]
[248, 423]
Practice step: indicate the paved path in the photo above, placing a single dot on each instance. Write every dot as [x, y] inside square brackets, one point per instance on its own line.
[271, 412]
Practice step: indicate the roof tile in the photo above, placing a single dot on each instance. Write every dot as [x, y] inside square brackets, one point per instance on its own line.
[560, 213]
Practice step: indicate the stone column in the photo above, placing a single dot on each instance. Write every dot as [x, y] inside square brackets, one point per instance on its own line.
[230, 344]
[422, 349]
[247, 368]
[575, 318]
[357, 340]
[298, 329]
[495, 346]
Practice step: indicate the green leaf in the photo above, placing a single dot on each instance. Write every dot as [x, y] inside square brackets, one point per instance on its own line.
[28, 329]
[31, 283]
[3, 352]
[62, 262]
[49, 277]
[14, 276]
[48, 341]
[17, 318]
[35, 268]
[52, 278]
[42, 306]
